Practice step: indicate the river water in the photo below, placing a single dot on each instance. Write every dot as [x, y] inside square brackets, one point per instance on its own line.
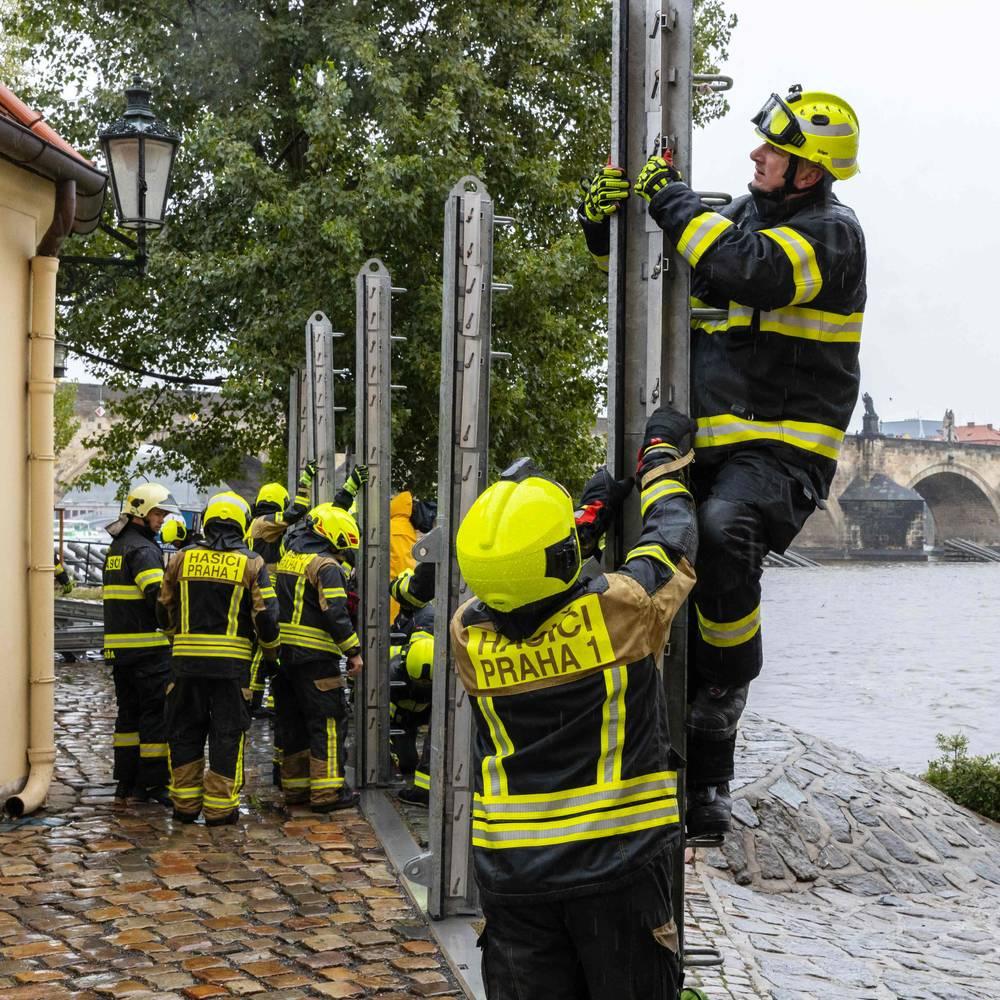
[880, 657]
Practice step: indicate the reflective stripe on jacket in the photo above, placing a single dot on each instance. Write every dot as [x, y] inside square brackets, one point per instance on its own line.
[133, 573]
[781, 371]
[312, 592]
[574, 788]
[216, 598]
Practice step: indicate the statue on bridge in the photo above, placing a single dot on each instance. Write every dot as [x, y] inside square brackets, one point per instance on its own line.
[870, 425]
[948, 427]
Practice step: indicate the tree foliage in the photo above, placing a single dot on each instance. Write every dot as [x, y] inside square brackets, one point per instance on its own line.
[973, 782]
[317, 135]
[66, 424]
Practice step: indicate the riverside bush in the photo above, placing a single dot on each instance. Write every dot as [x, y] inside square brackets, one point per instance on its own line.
[973, 782]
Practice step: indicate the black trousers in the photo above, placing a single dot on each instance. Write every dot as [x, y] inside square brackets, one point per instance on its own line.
[620, 945]
[313, 723]
[217, 710]
[403, 746]
[748, 505]
[140, 738]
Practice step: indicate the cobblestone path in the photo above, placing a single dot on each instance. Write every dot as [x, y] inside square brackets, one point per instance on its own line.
[853, 882]
[98, 903]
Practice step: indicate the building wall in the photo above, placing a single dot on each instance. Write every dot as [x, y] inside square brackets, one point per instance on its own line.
[26, 207]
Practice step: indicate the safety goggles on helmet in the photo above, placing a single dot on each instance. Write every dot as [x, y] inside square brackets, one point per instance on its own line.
[777, 123]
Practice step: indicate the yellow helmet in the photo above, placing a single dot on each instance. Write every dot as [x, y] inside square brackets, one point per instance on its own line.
[228, 507]
[518, 543]
[273, 493]
[174, 530]
[335, 525]
[148, 497]
[420, 657]
[817, 126]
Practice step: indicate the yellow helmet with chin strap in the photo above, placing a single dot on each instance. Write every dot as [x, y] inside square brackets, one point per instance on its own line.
[273, 493]
[335, 525]
[819, 127]
[420, 657]
[518, 543]
[147, 497]
[228, 507]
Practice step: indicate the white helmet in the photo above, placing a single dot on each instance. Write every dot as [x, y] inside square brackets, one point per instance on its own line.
[148, 497]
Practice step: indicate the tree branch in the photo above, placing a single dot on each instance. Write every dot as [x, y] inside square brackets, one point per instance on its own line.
[121, 365]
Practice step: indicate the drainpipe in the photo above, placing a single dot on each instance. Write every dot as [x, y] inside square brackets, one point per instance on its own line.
[41, 476]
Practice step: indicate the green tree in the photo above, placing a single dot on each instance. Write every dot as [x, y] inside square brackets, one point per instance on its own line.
[65, 414]
[316, 135]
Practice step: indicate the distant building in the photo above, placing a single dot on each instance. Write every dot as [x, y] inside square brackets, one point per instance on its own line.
[971, 433]
[921, 430]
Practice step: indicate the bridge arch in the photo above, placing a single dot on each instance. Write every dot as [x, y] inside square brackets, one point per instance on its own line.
[961, 503]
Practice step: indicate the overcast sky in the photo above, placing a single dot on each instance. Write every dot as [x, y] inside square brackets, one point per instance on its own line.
[919, 76]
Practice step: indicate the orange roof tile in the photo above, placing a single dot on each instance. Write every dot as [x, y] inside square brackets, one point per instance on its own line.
[13, 107]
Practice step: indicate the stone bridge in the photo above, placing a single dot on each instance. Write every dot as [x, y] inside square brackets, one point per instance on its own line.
[959, 483]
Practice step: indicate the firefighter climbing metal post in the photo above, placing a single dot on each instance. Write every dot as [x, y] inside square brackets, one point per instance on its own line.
[446, 869]
[373, 445]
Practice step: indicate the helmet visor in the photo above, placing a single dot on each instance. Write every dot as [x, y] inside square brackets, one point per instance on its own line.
[777, 123]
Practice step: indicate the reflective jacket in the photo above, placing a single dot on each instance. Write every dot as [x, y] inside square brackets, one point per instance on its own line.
[574, 786]
[312, 593]
[267, 538]
[407, 696]
[133, 572]
[216, 597]
[781, 371]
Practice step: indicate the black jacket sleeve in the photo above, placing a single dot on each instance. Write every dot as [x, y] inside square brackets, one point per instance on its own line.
[145, 563]
[333, 605]
[598, 237]
[784, 265]
[669, 534]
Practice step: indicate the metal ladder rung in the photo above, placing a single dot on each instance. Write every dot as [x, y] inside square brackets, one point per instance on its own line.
[706, 840]
[702, 958]
[714, 197]
[717, 82]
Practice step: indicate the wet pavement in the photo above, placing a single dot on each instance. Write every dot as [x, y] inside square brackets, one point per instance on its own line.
[97, 902]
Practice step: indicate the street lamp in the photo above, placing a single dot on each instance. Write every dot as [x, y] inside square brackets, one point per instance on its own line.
[59, 353]
[140, 152]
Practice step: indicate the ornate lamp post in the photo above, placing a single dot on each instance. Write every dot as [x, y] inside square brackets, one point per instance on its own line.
[140, 152]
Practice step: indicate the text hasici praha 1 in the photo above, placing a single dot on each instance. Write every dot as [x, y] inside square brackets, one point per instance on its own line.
[578, 641]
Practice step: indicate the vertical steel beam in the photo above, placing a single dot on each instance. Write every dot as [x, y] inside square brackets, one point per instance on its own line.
[648, 289]
[373, 443]
[294, 427]
[462, 471]
[323, 412]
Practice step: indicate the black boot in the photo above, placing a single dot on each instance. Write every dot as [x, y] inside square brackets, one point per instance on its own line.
[159, 795]
[709, 810]
[715, 711]
[123, 790]
[230, 819]
[414, 796]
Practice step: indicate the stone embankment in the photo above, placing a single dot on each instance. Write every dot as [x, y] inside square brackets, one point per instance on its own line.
[845, 880]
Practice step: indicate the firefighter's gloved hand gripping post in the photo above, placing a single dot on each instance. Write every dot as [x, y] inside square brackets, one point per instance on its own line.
[576, 821]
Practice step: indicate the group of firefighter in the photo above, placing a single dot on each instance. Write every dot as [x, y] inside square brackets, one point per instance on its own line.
[576, 825]
[261, 597]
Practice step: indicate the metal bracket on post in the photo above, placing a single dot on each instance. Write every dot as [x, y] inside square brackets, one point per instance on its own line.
[462, 470]
[373, 442]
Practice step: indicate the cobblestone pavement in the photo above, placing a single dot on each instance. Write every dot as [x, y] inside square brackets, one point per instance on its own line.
[98, 903]
[851, 882]
[841, 881]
